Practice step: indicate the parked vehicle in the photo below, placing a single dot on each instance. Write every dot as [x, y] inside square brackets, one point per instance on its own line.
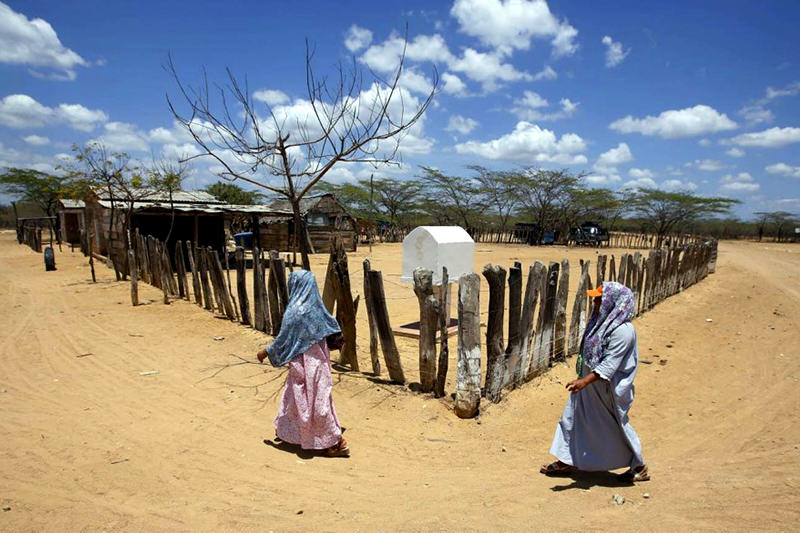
[589, 234]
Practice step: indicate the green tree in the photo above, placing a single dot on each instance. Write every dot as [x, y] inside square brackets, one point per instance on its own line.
[499, 192]
[38, 188]
[775, 222]
[664, 212]
[230, 193]
[548, 197]
[451, 199]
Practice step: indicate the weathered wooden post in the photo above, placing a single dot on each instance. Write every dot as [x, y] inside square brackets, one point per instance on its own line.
[544, 341]
[468, 377]
[428, 324]
[134, 278]
[373, 326]
[512, 355]
[577, 322]
[273, 300]
[601, 269]
[198, 292]
[560, 326]
[612, 270]
[230, 289]
[277, 264]
[203, 264]
[163, 273]
[180, 267]
[444, 324]
[345, 307]
[495, 354]
[390, 354]
[241, 286]
[259, 308]
[534, 291]
[623, 267]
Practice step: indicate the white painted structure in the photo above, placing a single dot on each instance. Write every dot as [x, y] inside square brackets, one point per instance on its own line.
[434, 247]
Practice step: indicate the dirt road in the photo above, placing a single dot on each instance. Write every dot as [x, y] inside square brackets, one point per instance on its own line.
[135, 419]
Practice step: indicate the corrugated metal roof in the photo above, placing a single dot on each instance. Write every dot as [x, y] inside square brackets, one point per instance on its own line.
[306, 204]
[191, 208]
[178, 197]
[73, 204]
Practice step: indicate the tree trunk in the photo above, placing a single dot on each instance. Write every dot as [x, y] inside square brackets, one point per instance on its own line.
[299, 234]
[495, 354]
[468, 377]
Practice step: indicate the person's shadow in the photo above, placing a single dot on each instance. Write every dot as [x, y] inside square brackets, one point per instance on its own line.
[587, 480]
[283, 446]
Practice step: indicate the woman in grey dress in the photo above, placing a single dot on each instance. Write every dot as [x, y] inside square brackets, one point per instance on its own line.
[594, 433]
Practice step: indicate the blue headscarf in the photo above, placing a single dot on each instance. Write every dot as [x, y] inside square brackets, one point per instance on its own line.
[305, 322]
[616, 308]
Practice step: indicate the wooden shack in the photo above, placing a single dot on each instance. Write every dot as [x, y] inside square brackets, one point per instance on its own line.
[71, 218]
[324, 217]
[194, 216]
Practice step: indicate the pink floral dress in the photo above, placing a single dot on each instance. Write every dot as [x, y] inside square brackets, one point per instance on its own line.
[306, 415]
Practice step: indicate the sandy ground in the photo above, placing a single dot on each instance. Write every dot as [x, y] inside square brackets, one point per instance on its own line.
[87, 443]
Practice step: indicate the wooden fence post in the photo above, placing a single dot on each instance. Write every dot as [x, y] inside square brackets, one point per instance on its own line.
[227, 300]
[512, 356]
[601, 269]
[180, 267]
[373, 326]
[468, 378]
[241, 286]
[612, 270]
[623, 267]
[206, 289]
[444, 324]
[345, 307]
[560, 326]
[534, 291]
[198, 292]
[428, 324]
[273, 300]
[495, 353]
[544, 341]
[390, 354]
[577, 321]
[259, 308]
[134, 278]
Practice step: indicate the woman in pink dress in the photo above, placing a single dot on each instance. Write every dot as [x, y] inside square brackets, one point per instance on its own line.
[306, 416]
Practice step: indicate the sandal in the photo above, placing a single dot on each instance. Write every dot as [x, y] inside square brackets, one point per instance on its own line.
[340, 450]
[635, 476]
[556, 468]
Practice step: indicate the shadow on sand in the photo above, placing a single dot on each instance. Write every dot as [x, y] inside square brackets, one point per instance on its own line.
[587, 480]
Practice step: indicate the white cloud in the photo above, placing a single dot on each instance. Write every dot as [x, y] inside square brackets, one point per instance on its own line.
[704, 142]
[385, 57]
[357, 38]
[697, 120]
[709, 165]
[771, 138]
[271, 97]
[547, 73]
[756, 114]
[602, 179]
[784, 169]
[531, 107]
[638, 173]
[678, 185]
[608, 161]
[34, 42]
[81, 118]
[452, 84]
[123, 137]
[529, 143]
[614, 52]
[741, 182]
[641, 183]
[36, 140]
[488, 69]
[512, 24]
[22, 111]
[414, 81]
[462, 125]
[735, 152]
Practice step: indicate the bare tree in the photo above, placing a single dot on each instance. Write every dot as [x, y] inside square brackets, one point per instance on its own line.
[348, 119]
[167, 176]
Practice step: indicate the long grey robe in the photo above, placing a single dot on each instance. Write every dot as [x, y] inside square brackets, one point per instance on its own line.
[594, 432]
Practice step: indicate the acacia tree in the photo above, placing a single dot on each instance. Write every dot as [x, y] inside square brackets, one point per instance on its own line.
[778, 220]
[230, 193]
[546, 196]
[451, 199]
[39, 188]
[352, 117]
[395, 198]
[499, 190]
[664, 212]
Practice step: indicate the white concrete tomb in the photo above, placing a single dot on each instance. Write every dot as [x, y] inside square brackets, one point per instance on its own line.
[434, 247]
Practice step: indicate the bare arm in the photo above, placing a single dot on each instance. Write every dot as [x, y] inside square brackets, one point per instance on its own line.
[578, 384]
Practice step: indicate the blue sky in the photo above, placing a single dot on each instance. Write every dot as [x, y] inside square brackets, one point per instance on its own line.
[701, 96]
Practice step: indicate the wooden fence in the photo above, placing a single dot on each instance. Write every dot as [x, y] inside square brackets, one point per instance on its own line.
[540, 330]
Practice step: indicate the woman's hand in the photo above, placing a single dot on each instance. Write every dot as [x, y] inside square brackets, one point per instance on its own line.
[579, 384]
[576, 385]
[262, 354]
